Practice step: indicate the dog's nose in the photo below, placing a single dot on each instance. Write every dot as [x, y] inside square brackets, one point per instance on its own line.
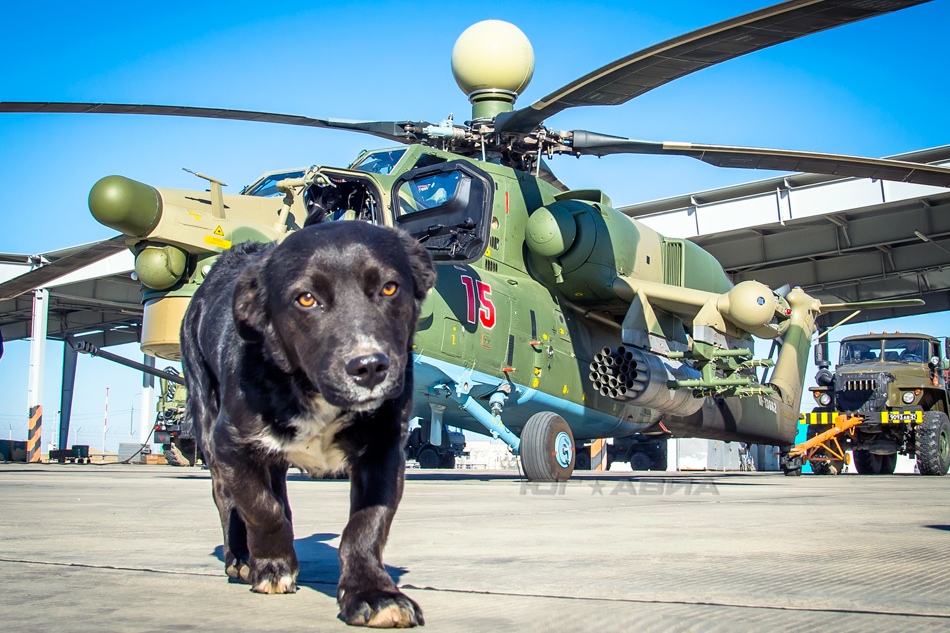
[368, 371]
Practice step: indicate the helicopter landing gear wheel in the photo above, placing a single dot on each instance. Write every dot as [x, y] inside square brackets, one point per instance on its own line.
[547, 448]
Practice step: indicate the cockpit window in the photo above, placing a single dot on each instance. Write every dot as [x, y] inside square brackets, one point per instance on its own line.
[381, 162]
[267, 187]
[427, 160]
[429, 192]
[447, 207]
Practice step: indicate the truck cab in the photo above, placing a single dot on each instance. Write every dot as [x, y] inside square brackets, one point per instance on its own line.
[896, 384]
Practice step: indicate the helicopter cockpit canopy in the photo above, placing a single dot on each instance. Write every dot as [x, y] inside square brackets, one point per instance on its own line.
[266, 187]
[447, 207]
[429, 192]
[379, 162]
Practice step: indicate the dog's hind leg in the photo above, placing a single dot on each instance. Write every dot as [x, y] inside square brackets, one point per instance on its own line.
[366, 593]
[201, 407]
[236, 554]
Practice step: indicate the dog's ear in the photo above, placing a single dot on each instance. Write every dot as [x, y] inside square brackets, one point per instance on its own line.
[423, 272]
[250, 313]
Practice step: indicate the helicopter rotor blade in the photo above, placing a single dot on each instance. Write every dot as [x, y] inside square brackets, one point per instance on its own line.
[869, 305]
[633, 75]
[398, 131]
[591, 143]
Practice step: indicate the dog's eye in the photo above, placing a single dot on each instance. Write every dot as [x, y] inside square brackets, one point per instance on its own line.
[306, 300]
[389, 289]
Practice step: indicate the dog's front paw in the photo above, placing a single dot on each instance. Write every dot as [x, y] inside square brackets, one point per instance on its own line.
[273, 577]
[379, 609]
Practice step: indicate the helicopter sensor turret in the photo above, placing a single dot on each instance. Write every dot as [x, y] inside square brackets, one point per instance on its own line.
[492, 62]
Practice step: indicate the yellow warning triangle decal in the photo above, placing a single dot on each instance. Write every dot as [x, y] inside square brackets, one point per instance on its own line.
[219, 231]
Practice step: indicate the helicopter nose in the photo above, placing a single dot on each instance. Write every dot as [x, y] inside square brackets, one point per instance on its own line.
[368, 371]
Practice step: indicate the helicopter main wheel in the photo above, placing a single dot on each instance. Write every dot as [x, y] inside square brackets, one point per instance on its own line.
[547, 448]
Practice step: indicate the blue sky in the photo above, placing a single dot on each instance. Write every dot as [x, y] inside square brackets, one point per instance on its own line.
[873, 88]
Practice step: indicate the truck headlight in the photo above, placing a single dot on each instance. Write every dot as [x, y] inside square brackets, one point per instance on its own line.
[908, 397]
[824, 399]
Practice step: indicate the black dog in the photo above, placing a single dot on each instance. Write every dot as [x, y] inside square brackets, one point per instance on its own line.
[300, 354]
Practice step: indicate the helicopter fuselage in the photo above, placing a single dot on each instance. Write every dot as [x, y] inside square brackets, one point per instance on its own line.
[534, 285]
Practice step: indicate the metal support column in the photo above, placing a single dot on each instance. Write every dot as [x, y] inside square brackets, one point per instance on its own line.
[148, 402]
[34, 440]
[435, 428]
[70, 355]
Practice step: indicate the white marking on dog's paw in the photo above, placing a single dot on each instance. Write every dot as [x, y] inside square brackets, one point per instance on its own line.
[286, 584]
[391, 616]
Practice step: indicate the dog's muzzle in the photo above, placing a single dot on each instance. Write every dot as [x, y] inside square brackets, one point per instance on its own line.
[368, 371]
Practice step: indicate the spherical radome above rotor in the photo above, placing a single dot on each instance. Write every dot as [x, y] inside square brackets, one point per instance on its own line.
[492, 55]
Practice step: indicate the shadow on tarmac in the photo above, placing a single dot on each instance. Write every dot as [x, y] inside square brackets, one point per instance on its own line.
[319, 563]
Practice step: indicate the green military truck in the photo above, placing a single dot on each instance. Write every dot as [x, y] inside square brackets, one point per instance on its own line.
[887, 397]
[442, 455]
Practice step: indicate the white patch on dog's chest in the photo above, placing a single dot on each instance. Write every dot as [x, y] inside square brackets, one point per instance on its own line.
[314, 448]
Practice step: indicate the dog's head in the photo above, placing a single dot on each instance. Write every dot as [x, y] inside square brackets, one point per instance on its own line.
[338, 302]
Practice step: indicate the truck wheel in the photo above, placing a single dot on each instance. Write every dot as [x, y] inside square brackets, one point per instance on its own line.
[428, 457]
[867, 463]
[582, 459]
[640, 461]
[547, 448]
[447, 461]
[933, 444]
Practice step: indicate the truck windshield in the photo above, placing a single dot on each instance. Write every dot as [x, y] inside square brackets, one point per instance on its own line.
[907, 350]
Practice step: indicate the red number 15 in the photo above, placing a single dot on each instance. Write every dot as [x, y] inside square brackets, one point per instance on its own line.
[486, 309]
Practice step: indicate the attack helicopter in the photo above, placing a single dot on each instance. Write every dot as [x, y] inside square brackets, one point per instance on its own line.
[555, 319]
